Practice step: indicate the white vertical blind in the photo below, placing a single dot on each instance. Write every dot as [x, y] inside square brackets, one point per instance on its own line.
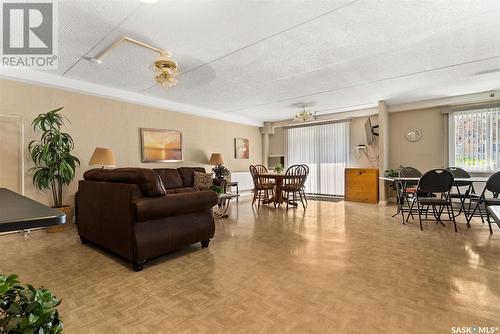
[325, 149]
[474, 140]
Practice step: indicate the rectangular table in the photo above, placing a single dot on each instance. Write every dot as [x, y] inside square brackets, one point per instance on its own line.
[494, 210]
[400, 181]
[18, 212]
[480, 179]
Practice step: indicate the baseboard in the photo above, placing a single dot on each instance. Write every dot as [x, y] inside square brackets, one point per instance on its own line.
[244, 193]
[388, 201]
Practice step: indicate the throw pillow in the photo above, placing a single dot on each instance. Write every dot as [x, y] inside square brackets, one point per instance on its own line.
[202, 180]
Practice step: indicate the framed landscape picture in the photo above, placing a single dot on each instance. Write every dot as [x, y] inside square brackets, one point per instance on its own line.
[161, 145]
[241, 148]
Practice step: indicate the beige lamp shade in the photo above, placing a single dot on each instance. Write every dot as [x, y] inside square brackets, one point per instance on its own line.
[216, 159]
[103, 157]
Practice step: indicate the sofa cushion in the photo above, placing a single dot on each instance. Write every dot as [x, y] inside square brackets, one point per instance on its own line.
[187, 175]
[202, 180]
[147, 179]
[170, 177]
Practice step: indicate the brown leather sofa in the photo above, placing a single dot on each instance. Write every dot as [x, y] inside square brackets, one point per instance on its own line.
[141, 213]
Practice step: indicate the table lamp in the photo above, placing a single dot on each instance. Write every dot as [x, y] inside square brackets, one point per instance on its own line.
[103, 157]
[216, 159]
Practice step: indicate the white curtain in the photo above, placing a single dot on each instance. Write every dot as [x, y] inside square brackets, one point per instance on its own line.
[325, 149]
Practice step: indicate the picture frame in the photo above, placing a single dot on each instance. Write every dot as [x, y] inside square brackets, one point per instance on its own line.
[158, 145]
[241, 148]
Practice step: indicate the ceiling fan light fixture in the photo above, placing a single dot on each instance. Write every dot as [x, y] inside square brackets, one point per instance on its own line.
[165, 62]
[167, 68]
[165, 80]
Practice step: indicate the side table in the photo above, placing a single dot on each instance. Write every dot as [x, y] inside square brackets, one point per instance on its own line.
[222, 209]
[230, 185]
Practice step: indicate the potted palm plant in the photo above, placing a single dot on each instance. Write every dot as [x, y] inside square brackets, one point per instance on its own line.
[54, 164]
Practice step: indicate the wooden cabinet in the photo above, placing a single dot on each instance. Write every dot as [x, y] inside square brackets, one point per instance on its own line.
[361, 185]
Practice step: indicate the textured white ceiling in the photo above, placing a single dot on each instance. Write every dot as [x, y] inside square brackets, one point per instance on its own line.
[259, 58]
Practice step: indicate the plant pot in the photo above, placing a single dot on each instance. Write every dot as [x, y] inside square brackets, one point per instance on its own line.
[68, 210]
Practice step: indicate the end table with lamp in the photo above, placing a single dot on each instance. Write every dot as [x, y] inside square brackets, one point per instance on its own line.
[219, 170]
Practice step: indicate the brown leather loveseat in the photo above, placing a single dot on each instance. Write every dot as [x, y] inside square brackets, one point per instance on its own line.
[141, 213]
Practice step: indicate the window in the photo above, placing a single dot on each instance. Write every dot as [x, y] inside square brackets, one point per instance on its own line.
[474, 139]
[325, 149]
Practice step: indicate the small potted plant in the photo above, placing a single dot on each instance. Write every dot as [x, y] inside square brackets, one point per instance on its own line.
[24, 309]
[220, 171]
[54, 164]
[278, 168]
[391, 173]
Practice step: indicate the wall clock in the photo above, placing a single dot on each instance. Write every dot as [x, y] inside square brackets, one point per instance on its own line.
[413, 135]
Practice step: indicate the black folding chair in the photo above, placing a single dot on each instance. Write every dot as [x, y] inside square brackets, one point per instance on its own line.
[408, 188]
[469, 193]
[493, 186]
[439, 183]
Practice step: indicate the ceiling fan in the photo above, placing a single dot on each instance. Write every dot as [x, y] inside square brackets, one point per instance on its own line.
[166, 69]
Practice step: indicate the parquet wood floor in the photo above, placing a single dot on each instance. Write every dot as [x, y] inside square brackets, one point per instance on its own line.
[337, 268]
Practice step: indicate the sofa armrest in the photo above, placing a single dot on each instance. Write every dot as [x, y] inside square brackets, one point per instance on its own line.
[149, 208]
[105, 214]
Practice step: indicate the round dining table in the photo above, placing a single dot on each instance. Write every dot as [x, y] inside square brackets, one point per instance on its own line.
[278, 179]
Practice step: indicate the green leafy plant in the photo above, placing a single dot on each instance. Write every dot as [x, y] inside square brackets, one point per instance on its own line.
[26, 310]
[54, 164]
[278, 168]
[217, 189]
[220, 171]
[391, 173]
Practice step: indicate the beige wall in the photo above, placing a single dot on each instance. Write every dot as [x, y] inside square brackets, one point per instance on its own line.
[95, 121]
[424, 154]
